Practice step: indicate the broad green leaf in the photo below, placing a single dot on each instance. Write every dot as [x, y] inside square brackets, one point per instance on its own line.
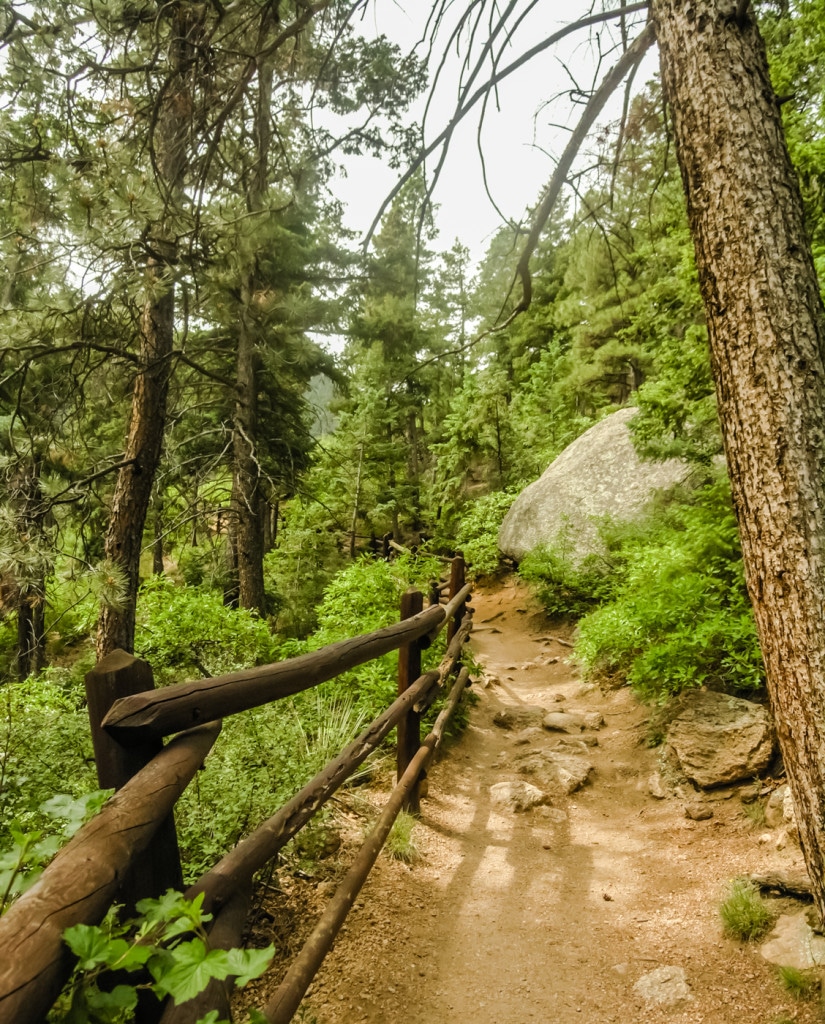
[88, 944]
[247, 964]
[188, 970]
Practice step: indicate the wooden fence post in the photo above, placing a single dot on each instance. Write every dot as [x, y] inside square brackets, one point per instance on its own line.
[456, 583]
[121, 675]
[409, 669]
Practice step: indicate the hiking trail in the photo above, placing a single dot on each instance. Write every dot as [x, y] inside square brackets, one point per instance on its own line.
[553, 914]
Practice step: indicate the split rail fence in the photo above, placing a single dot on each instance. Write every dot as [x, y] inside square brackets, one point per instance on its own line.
[129, 851]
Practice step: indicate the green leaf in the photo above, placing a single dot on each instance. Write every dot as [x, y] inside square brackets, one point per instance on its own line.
[187, 970]
[88, 944]
[212, 1018]
[247, 964]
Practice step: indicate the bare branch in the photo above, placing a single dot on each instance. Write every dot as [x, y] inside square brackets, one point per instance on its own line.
[444, 137]
[610, 83]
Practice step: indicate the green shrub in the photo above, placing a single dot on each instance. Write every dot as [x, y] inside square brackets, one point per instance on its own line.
[189, 632]
[47, 749]
[745, 915]
[802, 985]
[477, 532]
[680, 614]
[564, 588]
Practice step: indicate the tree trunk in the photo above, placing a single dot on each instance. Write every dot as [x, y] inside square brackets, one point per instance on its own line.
[30, 511]
[246, 494]
[133, 488]
[767, 335]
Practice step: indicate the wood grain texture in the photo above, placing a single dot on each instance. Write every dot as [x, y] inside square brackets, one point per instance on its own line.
[184, 705]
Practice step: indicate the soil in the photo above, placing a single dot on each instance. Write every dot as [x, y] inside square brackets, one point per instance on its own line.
[508, 918]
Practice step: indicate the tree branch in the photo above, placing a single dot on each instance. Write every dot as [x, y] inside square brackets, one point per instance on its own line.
[444, 137]
[610, 83]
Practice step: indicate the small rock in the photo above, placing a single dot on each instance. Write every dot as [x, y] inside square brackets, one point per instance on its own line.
[764, 838]
[656, 787]
[503, 719]
[557, 697]
[698, 811]
[775, 807]
[554, 814]
[516, 796]
[749, 794]
[563, 721]
[666, 986]
[528, 735]
[792, 943]
[593, 719]
[718, 738]
[788, 812]
[490, 680]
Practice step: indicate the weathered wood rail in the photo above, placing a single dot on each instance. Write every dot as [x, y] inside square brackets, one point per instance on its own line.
[129, 850]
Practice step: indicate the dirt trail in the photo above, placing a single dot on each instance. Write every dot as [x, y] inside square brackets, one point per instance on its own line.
[509, 918]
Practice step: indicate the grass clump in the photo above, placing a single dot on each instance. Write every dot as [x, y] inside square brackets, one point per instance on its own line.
[802, 985]
[745, 915]
[755, 813]
[400, 842]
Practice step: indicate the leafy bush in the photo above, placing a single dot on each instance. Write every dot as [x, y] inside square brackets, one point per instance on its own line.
[745, 915]
[46, 749]
[680, 614]
[169, 941]
[564, 587]
[477, 533]
[188, 631]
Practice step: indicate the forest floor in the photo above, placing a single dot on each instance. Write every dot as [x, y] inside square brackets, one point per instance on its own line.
[508, 918]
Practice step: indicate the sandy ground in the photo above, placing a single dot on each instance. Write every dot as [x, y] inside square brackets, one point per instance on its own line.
[510, 918]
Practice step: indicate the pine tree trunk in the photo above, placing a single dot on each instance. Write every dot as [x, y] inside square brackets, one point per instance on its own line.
[249, 541]
[767, 335]
[29, 510]
[133, 489]
[144, 439]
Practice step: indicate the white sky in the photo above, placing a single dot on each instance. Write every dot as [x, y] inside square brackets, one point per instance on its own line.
[519, 140]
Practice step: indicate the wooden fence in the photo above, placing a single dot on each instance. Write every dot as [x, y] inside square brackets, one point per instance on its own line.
[129, 850]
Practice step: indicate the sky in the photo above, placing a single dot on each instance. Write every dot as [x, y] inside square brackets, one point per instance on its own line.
[520, 139]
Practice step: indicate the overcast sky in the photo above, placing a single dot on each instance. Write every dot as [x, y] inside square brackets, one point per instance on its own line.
[520, 139]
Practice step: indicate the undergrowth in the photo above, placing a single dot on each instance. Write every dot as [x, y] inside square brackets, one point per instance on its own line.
[665, 607]
[745, 915]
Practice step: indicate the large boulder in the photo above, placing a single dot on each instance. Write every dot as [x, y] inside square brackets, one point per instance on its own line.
[599, 474]
[719, 739]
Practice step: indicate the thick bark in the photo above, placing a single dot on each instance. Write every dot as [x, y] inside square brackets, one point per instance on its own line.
[133, 489]
[247, 496]
[767, 335]
[144, 439]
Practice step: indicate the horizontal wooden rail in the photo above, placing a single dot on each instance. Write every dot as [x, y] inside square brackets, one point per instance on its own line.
[448, 664]
[183, 705]
[250, 855]
[80, 883]
[456, 602]
[283, 1005]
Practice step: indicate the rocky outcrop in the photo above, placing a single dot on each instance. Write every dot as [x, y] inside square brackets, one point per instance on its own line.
[718, 739]
[599, 474]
